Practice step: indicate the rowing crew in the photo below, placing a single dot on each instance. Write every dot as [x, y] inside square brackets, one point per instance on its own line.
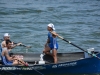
[6, 47]
[10, 60]
[51, 45]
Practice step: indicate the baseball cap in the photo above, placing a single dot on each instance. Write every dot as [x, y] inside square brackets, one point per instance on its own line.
[51, 25]
[6, 34]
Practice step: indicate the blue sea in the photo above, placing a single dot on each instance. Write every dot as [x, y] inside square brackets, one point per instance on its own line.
[26, 21]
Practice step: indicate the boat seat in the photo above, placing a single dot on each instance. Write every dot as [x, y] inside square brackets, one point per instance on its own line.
[33, 58]
[30, 57]
[0, 61]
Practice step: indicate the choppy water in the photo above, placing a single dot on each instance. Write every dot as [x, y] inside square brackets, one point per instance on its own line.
[76, 20]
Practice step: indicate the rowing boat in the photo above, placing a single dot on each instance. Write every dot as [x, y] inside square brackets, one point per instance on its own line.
[68, 63]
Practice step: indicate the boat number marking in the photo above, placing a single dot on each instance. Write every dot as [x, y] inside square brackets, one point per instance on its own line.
[22, 68]
[64, 65]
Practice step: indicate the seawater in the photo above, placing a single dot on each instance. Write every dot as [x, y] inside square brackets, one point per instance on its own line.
[26, 21]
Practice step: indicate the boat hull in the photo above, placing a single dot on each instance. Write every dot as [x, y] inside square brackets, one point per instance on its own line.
[82, 66]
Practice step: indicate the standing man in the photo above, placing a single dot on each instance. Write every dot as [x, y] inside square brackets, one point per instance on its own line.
[51, 43]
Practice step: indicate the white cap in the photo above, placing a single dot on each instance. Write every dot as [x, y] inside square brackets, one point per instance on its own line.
[6, 34]
[51, 25]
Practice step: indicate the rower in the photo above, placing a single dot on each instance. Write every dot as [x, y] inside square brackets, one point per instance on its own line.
[7, 59]
[7, 37]
[3, 44]
[51, 43]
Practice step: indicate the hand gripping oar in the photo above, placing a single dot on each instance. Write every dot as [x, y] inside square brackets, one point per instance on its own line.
[94, 55]
[30, 67]
[23, 45]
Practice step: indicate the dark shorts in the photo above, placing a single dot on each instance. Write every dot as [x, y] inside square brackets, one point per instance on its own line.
[9, 63]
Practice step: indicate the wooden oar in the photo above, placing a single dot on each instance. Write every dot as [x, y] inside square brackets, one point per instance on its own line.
[94, 55]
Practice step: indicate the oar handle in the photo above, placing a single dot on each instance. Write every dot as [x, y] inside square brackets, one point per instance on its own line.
[25, 46]
[61, 37]
[22, 62]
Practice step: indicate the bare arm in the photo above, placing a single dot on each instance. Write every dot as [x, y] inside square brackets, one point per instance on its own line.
[7, 55]
[14, 45]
